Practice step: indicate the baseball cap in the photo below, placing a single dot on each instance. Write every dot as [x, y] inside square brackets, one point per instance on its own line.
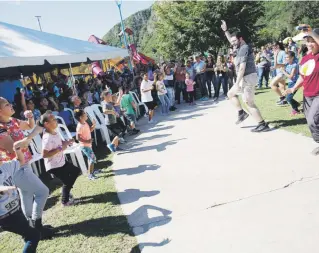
[315, 30]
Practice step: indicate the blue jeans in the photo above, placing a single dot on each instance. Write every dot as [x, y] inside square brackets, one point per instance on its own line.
[294, 104]
[171, 95]
[164, 102]
[263, 73]
[18, 224]
[221, 80]
[33, 192]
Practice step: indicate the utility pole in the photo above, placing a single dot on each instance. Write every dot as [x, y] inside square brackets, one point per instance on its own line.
[39, 21]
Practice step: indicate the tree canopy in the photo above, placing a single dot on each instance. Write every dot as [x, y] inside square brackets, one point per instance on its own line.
[177, 29]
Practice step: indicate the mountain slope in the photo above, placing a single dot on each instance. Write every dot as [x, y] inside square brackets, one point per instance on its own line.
[142, 24]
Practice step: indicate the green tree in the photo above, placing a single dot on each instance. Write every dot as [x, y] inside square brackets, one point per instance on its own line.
[187, 27]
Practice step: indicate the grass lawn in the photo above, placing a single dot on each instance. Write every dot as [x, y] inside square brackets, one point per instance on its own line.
[96, 224]
[280, 117]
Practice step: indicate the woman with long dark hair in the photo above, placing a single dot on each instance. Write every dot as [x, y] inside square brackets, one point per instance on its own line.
[221, 77]
[210, 74]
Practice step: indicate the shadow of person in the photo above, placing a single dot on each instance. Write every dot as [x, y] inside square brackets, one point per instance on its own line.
[192, 116]
[159, 147]
[132, 195]
[126, 197]
[139, 247]
[99, 227]
[141, 222]
[155, 136]
[110, 225]
[154, 129]
[290, 122]
[136, 170]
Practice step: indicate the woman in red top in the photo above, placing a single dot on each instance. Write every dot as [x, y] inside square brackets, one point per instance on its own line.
[309, 79]
[33, 192]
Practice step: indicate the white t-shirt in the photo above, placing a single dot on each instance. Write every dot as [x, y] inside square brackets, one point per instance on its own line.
[50, 142]
[8, 200]
[146, 96]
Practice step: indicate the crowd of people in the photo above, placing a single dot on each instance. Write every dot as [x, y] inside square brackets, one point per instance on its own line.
[167, 85]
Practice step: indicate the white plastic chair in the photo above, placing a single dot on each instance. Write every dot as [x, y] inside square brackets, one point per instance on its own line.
[99, 126]
[36, 157]
[63, 123]
[72, 113]
[138, 101]
[74, 150]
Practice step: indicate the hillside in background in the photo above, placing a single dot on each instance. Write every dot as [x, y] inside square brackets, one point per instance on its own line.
[142, 24]
[178, 29]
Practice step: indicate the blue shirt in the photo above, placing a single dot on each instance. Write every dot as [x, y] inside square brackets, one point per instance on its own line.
[280, 60]
[199, 66]
[289, 68]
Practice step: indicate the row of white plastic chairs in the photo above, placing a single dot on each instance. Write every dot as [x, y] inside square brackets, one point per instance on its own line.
[94, 113]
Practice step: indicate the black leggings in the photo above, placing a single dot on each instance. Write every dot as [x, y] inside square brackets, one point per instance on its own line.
[68, 173]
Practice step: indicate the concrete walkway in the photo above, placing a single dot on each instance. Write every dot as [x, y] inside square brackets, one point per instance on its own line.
[196, 182]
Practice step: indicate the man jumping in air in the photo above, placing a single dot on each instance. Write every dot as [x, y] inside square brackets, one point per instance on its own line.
[246, 80]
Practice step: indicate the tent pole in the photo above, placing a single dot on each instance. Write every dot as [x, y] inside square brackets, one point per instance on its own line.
[72, 78]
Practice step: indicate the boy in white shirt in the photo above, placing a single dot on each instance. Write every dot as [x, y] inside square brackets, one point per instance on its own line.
[146, 96]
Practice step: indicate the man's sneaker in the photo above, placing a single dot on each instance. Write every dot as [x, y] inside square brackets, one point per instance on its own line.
[282, 103]
[262, 127]
[242, 117]
[215, 99]
[315, 151]
[122, 141]
[111, 147]
[152, 121]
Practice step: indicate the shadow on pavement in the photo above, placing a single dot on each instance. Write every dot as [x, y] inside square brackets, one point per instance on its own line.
[138, 248]
[158, 147]
[136, 170]
[141, 222]
[192, 116]
[126, 197]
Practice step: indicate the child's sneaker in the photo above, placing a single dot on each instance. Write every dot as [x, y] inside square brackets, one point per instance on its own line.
[98, 171]
[294, 112]
[111, 147]
[69, 203]
[92, 177]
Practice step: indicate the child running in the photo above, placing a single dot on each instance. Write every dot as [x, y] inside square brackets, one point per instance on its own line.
[54, 160]
[190, 89]
[83, 135]
[129, 108]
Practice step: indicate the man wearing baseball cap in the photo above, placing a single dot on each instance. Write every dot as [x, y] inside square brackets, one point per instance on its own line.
[309, 79]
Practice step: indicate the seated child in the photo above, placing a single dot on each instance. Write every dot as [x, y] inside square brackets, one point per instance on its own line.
[83, 135]
[54, 160]
[111, 119]
[129, 108]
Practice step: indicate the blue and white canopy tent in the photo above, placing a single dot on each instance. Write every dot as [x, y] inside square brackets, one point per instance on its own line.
[25, 50]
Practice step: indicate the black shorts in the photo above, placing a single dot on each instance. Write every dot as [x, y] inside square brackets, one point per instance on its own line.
[150, 105]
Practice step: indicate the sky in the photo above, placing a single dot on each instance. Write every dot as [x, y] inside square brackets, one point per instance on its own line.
[76, 19]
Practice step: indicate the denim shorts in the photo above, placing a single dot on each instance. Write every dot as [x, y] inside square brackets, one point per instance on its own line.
[88, 152]
[131, 118]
